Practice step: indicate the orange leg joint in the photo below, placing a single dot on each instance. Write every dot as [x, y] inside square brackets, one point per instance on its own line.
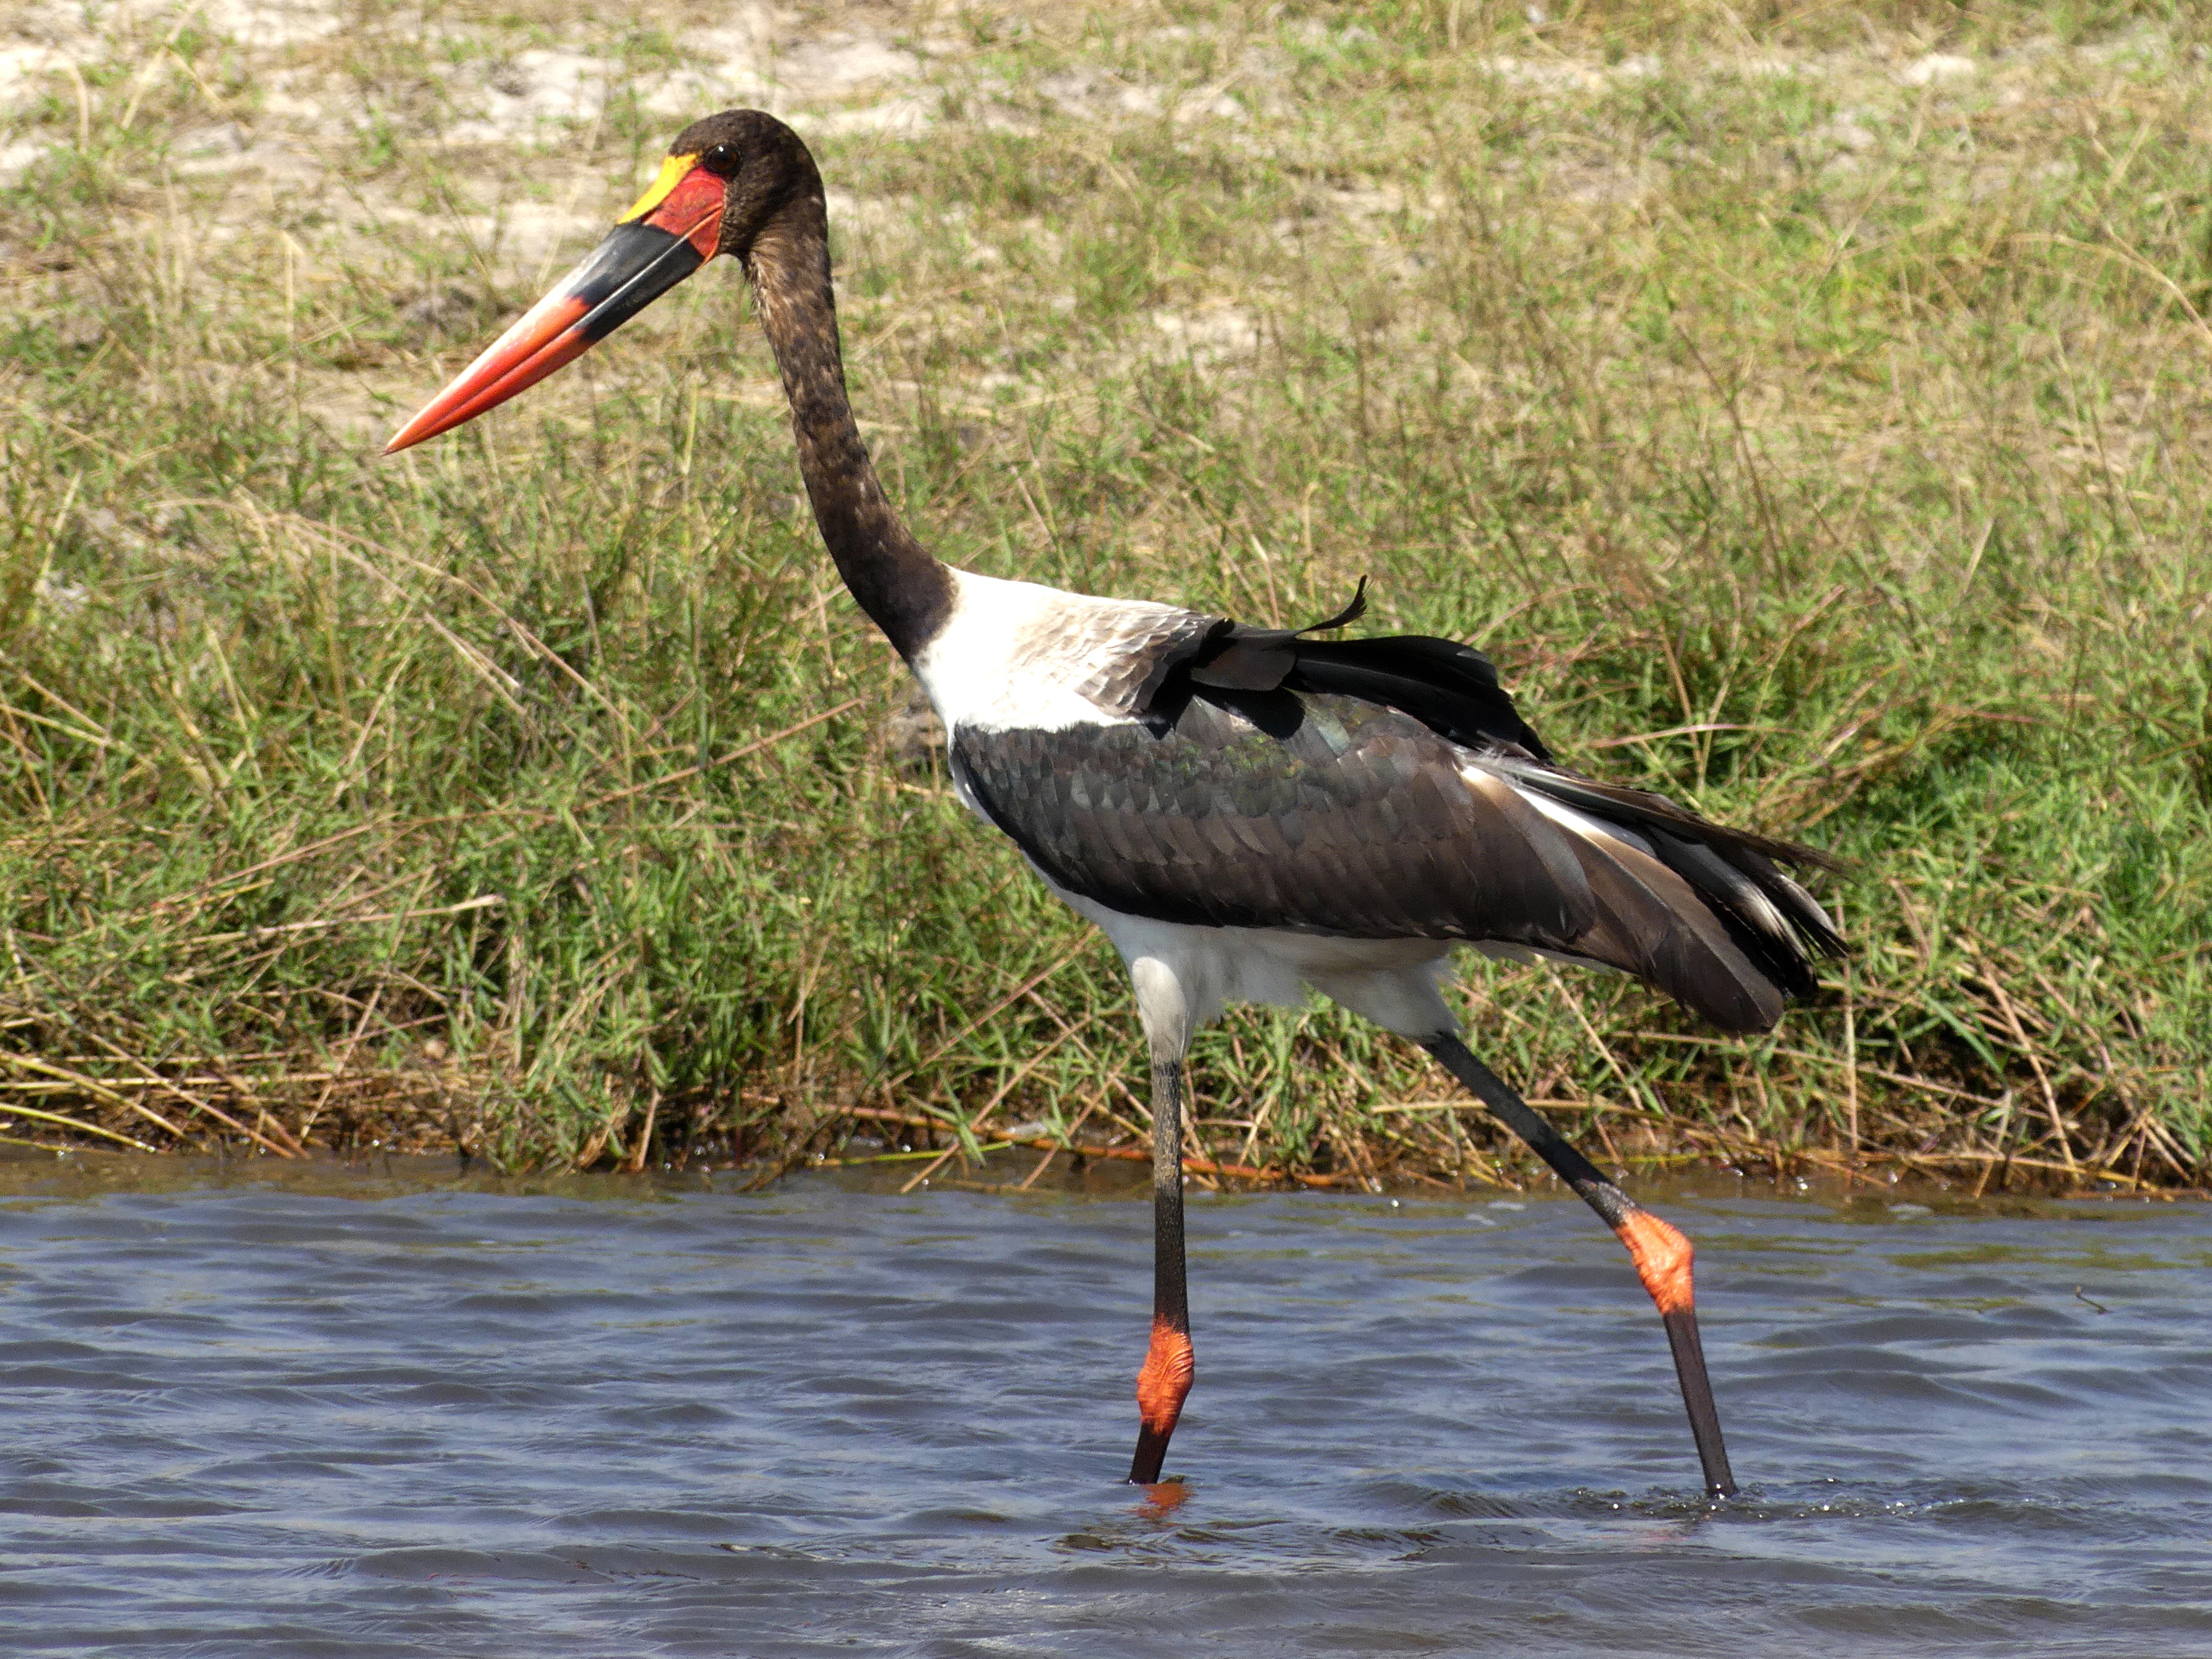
[1164, 1382]
[1662, 1258]
[1162, 1387]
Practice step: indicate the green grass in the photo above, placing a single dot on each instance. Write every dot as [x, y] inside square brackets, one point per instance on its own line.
[1824, 447]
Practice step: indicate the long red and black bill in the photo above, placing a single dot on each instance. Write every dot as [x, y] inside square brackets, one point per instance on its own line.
[670, 233]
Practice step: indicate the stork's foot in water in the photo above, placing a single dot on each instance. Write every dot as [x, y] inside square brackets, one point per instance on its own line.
[1164, 1382]
[1662, 1256]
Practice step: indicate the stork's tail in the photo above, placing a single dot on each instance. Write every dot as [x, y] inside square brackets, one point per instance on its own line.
[1701, 910]
[1696, 908]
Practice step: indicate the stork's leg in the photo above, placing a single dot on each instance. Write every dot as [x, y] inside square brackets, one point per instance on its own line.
[1164, 1382]
[1661, 1253]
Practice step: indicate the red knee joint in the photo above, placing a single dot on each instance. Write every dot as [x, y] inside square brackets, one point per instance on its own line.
[1662, 1259]
[1164, 1382]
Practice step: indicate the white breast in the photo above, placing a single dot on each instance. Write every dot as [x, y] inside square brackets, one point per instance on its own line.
[1020, 656]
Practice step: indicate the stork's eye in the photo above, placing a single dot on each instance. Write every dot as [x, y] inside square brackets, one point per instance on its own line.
[721, 160]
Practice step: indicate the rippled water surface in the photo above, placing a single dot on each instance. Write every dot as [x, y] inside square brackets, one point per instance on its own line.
[373, 1414]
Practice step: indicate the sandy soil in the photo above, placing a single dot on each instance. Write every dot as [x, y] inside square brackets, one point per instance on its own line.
[369, 133]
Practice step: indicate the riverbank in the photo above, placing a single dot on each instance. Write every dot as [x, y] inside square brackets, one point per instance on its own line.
[1811, 422]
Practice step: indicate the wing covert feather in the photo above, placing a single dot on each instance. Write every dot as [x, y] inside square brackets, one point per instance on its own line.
[1321, 814]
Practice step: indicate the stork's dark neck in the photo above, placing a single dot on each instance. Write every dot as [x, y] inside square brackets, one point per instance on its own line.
[905, 590]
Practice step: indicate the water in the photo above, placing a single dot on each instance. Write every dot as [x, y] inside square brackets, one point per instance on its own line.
[340, 1413]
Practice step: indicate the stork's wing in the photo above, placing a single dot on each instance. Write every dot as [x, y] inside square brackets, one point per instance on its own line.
[1328, 813]
[1271, 810]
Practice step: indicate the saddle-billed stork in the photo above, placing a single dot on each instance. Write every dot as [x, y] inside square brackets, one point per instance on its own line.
[1246, 813]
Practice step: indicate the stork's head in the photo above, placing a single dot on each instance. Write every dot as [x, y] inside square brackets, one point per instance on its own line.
[724, 181]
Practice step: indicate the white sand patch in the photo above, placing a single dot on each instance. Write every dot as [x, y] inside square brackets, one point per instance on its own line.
[19, 158]
[1936, 68]
[535, 240]
[722, 66]
[1315, 33]
[687, 94]
[532, 91]
[270, 161]
[1569, 75]
[1772, 69]
[1210, 334]
[520, 240]
[905, 116]
[742, 45]
[739, 64]
[836, 65]
[28, 72]
[1095, 95]
[262, 24]
[302, 98]
[211, 148]
[1845, 132]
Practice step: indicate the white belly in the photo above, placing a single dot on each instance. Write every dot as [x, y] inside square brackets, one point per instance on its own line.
[1185, 973]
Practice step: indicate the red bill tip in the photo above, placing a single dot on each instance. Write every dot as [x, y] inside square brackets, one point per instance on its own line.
[545, 338]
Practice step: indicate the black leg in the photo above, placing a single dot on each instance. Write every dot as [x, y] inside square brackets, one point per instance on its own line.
[1164, 1382]
[1661, 1253]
